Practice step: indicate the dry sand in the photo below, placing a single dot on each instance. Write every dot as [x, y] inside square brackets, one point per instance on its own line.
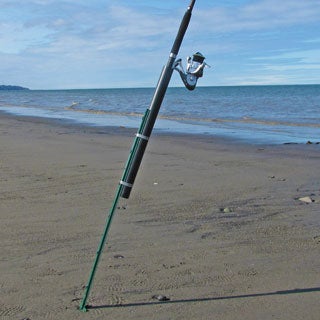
[215, 226]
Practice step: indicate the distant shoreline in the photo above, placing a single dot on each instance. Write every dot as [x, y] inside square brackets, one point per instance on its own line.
[10, 87]
[152, 87]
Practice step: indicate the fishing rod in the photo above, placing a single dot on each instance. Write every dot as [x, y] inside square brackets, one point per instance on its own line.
[194, 71]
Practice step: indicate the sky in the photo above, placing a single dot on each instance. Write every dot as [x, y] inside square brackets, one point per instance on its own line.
[70, 44]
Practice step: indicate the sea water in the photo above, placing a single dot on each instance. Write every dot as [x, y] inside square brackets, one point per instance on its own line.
[259, 114]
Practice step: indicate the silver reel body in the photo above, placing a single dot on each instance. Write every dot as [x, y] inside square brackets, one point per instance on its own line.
[194, 70]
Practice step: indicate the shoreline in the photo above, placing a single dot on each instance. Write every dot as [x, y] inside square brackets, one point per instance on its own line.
[215, 225]
[123, 130]
[263, 115]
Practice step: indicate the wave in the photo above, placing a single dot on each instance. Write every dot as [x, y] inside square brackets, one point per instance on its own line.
[74, 103]
[244, 120]
[75, 107]
[97, 111]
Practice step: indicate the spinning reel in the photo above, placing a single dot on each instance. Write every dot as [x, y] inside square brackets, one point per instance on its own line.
[195, 66]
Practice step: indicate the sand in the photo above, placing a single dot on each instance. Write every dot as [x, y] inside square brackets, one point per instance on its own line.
[215, 226]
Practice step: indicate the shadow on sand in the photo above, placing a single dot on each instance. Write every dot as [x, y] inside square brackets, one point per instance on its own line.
[241, 296]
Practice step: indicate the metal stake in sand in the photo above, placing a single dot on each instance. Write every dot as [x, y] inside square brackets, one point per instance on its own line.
[194, 71]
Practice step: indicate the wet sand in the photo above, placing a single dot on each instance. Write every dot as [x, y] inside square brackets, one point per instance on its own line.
[215, 226]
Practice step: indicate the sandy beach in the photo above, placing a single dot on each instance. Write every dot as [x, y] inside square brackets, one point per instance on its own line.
[215, 226]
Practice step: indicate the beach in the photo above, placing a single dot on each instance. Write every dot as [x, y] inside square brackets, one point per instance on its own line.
[223, 229]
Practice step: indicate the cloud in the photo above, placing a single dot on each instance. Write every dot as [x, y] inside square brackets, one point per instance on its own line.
[291, 60]
[257, 79]
[58, 47]
[301, 66]
[121, 42]
[259, 15]
[314, 40]
[56, 26]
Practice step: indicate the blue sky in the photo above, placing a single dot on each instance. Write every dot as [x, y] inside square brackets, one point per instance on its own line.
[57, 44]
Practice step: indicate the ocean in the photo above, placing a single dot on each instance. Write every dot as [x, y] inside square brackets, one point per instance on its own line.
[256, 114]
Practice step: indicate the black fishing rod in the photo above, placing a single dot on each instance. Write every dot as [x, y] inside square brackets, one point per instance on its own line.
[194, 70]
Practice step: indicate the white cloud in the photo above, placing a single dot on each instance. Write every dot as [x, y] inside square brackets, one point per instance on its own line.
[65, 40]
[293, 67]
[314, 40]
[259, 79]
[259, 15]
[293, 59]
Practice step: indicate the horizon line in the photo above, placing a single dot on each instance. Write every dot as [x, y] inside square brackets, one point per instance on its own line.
[178, 87]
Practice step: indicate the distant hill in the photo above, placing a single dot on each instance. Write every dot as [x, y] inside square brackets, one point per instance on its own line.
[4, 87]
